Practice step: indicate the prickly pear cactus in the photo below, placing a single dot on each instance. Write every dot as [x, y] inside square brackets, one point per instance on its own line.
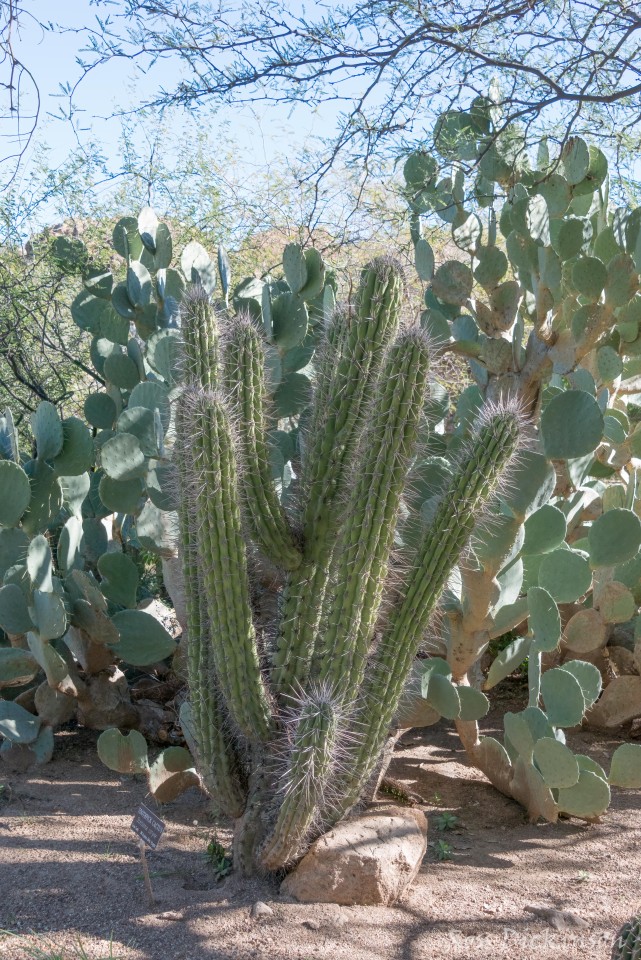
[300, 637]
[68, 596]
[134, 320]
[543, 301]
[171, 773]
[93, 496]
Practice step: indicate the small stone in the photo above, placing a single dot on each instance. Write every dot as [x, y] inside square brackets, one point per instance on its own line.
[367, 860]
[559, 919]
[170, 915]
[312, 924]
[261, 909]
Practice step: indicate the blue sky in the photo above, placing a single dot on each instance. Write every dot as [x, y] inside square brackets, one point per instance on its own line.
[263, 133]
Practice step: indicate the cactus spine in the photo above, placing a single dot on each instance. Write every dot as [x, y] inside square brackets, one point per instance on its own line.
[373, 509]
[245, 372]
[316, 708]
[627, 945]
[443, 542]
[343, 396]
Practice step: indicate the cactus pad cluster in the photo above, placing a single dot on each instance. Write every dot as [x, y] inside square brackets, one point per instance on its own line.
[543, 301]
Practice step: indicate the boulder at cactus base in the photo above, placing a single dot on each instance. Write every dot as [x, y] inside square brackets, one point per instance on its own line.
[367, 860]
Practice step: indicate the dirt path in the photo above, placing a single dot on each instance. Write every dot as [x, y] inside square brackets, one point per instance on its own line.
[70, 875]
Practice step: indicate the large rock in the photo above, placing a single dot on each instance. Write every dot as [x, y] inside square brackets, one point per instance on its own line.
[370, 859]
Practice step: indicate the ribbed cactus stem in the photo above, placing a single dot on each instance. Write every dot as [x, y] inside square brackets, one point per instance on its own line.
[200, 339]
[224, 566]
[380, 470]
[364, 340]
[217, 761]
[326, 359]
[188, 550]
[194, 610]
[310, 764]
[474, 482]
[245, 369]
[627, 945]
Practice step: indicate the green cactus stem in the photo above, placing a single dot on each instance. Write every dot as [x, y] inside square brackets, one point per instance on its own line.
[366, 337]
[475, 481]
[338, 423]
[311, 762]
[224, 566]
[200, 339]
[219, 764]
[217, 760]
[326, 360]
[245, 373]
[380, 470]
[627, 945]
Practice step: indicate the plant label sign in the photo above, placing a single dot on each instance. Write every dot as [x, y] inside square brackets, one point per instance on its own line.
[147, 826]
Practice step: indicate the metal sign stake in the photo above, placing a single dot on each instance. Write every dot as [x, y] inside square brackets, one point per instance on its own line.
[149, 828]
[145, 871]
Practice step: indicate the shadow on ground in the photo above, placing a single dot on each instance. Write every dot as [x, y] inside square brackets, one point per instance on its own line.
[70, 871]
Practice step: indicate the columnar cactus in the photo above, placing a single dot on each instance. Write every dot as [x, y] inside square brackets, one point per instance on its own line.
[306, 694]
[543, 299]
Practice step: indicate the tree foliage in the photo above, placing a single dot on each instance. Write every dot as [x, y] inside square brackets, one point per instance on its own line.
[390, 66]
[188, 173]
[42, 355]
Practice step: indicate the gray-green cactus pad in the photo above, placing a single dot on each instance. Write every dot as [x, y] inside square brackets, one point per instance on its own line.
[565, 574]
[14, 612]
[507, 661]
[571, 425]
[625, 769]
[544, 530]
[122, 458]
[76, 456]
[453, 282]
[545, 620]
[614, 537]
[119, 578]
[123, 753]
[47, 429]
[557, 764]
[563, 698]
[143, 640]
[15, 493]
[589, 798]
[121, 496]
[17, 724]
[100, 410]
[17, 667]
